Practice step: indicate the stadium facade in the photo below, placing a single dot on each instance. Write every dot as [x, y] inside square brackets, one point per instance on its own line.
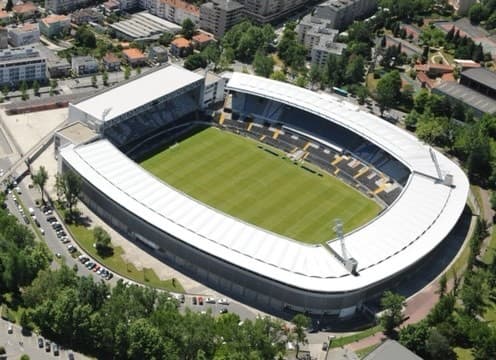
[239, 259]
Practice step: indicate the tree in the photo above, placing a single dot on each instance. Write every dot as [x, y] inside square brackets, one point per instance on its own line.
[9, 5]
[476, 13]
[188, 28]
[414, 337]
[102, 241]
[53, 84]
[315, 75]
[438, 347]
[301, 81]
[36, 87]
[443, 282]
[392, 315]
[301, 322]
[40, 179]
[24, 357]
[166, 38]
[262, 64]
[389, 90]
[5, 90]
[94, 81]
[290, 50]
[354, 70]
[195, 61]
[24, 90]
[70, 184]
[278, 75]
[85, 38]
[105, 78]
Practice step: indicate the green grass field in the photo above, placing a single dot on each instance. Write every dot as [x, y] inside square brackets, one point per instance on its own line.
[234, 175]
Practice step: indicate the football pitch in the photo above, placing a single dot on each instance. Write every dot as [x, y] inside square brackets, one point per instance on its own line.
[235, 175]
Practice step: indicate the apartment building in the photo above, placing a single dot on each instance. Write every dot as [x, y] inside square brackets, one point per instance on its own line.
[175, 11]
[22, 64]
[265, 11]
[54, 25]
[218, 16]
[342, 13]
[24, 35]
[65, 6]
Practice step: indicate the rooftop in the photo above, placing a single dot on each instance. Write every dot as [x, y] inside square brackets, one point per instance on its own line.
[391, 350]
[482, 76]
[111, 58]
[181, 42]
[471, 97]
[133, 94]
[27, 27]
[24, 8]
[51, 19]
[80, 60]
[77, 133]
[227, 5]
[133, 54]
[202, 37]
[144, 25]
[183, 5]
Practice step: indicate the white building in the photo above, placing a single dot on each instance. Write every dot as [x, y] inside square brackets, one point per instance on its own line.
[214, 88]
[24, 35]
[175, 11]
[23, 64]
[65, 6]
[342, 13]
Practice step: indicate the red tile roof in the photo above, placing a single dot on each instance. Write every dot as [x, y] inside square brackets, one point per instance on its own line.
[202, 38]
[183, 5]
[181, 42]
[133, 54]
[24, 8]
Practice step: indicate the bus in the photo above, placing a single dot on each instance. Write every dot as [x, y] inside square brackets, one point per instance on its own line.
[340, 91]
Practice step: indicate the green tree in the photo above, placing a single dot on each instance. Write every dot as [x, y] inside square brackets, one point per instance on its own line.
[301, 81]
[105, 78]
[24, 90]
[40, 179]
[301, 323]
[392, 315]
[9, 5]
[315, 75]
[195, 61]
[290, 50]
[438, 347]
[127, 72]
[85, 38]
[5, 90]
[414, 337]
[262, 64]
[102, 242]
[71, 188]
[188, 28]
[36, 87]
[354, 70]
[443, 284]
[166, 38]
[477, 13]
[24, 357]
[278, 75]
[389, 90]
[94, 81]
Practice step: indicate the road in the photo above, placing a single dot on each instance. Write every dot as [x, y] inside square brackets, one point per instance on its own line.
[17, 344]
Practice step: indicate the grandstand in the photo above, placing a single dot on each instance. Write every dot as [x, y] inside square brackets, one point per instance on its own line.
[136, 109]
[424, 191]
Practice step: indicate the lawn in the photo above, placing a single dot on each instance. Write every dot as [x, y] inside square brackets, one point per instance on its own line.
[237, 176]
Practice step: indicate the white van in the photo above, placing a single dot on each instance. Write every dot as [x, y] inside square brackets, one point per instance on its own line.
[31, 211]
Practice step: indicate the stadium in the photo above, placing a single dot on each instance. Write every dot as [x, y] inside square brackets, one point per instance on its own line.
[168, 178]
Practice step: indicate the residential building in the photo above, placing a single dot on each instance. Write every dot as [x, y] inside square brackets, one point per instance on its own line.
[25, 10]
[143, 27]
[266, 11]
[5, 17]
[21, 64]
[84, 16]
[213, 92]
[82, 65]
[111, 62]
[201, 40]
[342, 13]
[158, 54]
[111, 6]
[24, 35]
[319, 38]
[4, 38]
[462, 6]
[175, 11]
[65, 6]
[181, 47]
[59, 69]
[134, 57]
[54, 25]
[127, 5]
[218, 16]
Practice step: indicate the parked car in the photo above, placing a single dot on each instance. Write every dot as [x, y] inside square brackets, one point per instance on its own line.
[26, 220]
[193, 300]
[10, 329]
[41, 343]
[223, 301]
[210, 300]
[48, 346]
[55, 349]
[200, 300]
[223, 311]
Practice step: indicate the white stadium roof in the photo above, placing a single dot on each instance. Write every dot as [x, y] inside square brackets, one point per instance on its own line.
[410, 228]
[131, 95]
